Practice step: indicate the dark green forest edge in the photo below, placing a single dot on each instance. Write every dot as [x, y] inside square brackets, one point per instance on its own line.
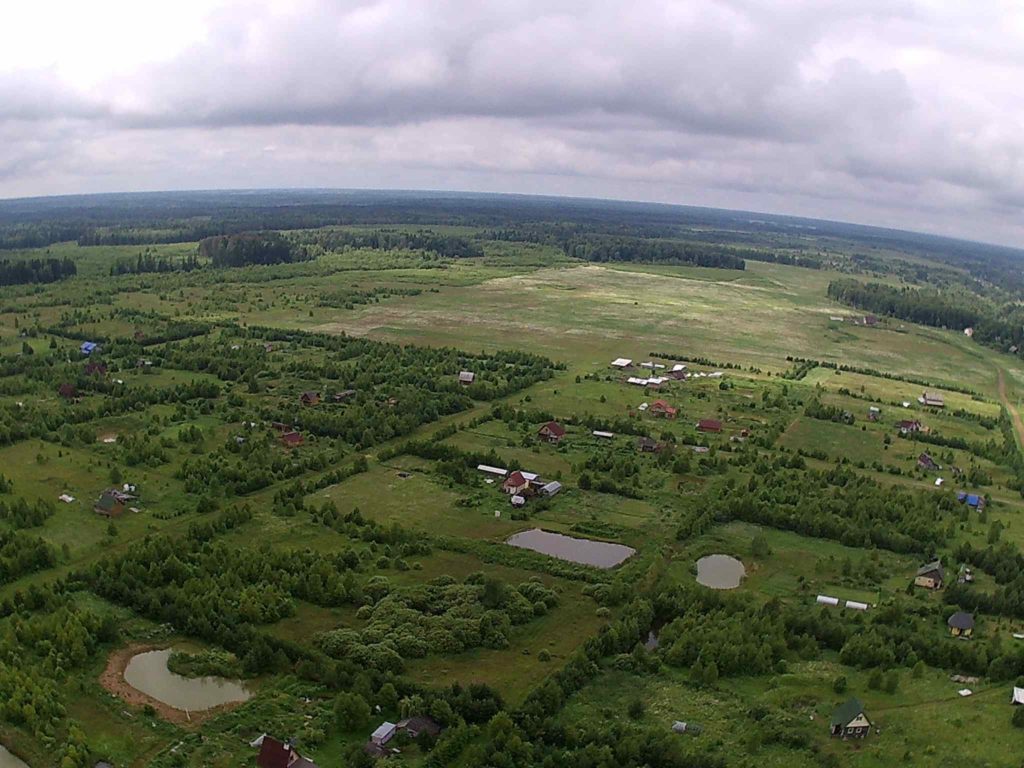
[313, 521]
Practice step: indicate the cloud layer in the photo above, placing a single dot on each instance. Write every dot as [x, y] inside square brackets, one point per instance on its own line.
[895, 112]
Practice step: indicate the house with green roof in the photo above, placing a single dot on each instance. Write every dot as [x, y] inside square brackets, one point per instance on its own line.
[849, 721]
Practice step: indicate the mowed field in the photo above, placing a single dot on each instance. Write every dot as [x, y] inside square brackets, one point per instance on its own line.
[591, 314]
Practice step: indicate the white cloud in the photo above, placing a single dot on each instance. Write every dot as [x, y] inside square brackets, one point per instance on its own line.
[897, 112]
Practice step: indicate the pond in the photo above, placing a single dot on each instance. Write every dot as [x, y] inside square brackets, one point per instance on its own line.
[601, 554]
[147, 672]
[7, 760]
[720, 572]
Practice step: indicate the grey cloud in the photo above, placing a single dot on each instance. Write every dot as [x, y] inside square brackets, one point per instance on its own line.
[800, 105]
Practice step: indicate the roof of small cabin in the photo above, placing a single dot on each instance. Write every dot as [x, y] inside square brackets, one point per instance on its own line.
[710, 423]
[517, 478]
[622, 361]
[383, 729]
[847, 711]
[553, 487]
[935, 565]
[292, 437]
[466, 375]
[274, 754]
[961, 620]
[553, 428]
[89, 346]
[973, 499]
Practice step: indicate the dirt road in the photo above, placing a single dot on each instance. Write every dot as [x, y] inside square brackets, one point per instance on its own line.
[1018, 423]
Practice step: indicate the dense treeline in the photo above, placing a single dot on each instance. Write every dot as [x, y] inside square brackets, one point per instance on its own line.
[148, 261]
[250, 248]
[21, 272]
[446, 246]
[611, 249]
[997, 326]
[835, 504]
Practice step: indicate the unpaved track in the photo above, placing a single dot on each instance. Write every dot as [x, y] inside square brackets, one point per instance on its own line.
[1018, 423]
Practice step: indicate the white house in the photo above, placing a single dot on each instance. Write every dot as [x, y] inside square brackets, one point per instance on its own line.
[384, 733]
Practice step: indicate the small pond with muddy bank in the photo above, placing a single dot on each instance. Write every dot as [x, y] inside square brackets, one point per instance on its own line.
[600, 554]
[720, 572]
[147, 673]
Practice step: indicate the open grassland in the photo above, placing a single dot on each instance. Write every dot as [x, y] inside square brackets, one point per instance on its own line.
[384, 495]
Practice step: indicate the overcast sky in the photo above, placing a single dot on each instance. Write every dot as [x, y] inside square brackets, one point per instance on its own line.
[890, 112]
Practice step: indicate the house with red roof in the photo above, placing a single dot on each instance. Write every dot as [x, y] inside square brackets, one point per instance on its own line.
[709, 425]
[515, 483]
[663, 409]
[276, 754]
[292, 439]
[551, 432]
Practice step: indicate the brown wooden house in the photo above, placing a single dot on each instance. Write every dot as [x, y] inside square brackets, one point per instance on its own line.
[552, 432]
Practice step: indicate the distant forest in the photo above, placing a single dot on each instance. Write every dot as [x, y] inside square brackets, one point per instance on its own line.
[1001, 327]
[35, 271]
[447, 246]
[250, 248]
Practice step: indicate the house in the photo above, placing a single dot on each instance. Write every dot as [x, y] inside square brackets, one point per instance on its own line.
[515, 483]
[414, 726]
[961, 624]
[551, 489]
[663, 409]
[277, 754]
[930, 575]
[518, 501]
[874, 413]
[1017, 697]
[924, 461]
[909, 426]
[709, 425]
[310, 398]
[466, 378]
[67, 391]
[932, 400]
[849, 721]
[292, 439]
[972, 500]
[345, 394]
[383, 733]
[94, 368]
[870, 320]
[621, 362]
[109, 505]
[647, 445]
[551, 432]
[88, 347]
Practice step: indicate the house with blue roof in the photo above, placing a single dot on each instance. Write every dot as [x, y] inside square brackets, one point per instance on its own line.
[88, 347]
[973, 500]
